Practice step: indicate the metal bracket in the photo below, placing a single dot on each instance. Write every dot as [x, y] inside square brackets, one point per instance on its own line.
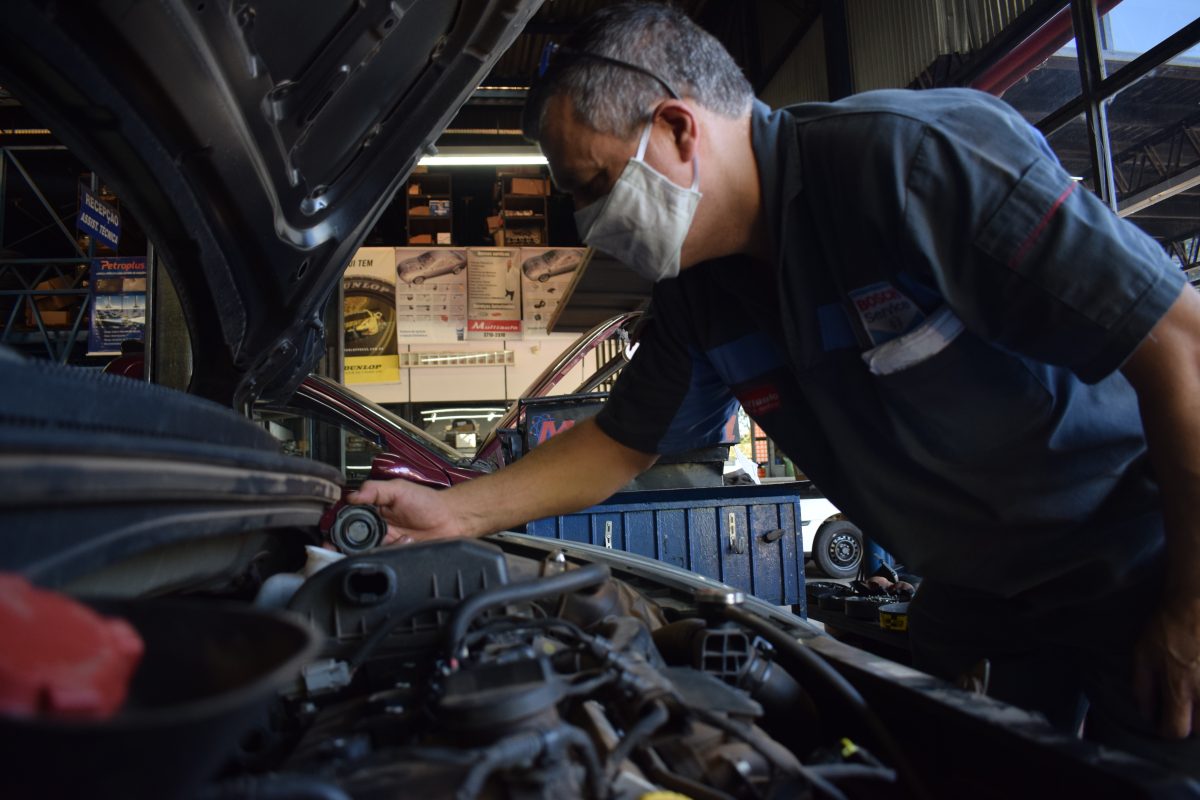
[608, 534]
[736, 543]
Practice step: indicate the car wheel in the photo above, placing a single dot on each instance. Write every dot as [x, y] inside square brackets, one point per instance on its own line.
[838, 549]
[545, 276]
[417, 281]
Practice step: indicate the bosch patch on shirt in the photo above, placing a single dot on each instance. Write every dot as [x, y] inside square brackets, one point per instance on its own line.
[885, 311]
[760, 399]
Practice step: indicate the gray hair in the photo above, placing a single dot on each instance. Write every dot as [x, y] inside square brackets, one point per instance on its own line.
[656, 38]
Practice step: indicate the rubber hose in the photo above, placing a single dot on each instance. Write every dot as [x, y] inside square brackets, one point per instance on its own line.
[525, 747]
[837, 772]
[772, 751]
[527, 591]
[641, 729]
[768, 748]
[804, 660]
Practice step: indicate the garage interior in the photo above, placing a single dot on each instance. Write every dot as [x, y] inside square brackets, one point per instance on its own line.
[1113, 86]
[1117, 103]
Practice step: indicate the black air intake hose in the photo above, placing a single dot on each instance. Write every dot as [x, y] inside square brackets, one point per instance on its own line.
[527, 591]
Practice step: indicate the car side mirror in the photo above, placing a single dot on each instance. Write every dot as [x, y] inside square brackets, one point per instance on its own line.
[387, 466]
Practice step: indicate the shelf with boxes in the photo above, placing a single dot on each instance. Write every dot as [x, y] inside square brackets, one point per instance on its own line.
[428, 205]
[522, 220]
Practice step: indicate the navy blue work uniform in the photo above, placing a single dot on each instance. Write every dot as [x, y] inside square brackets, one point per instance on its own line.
[936, 343]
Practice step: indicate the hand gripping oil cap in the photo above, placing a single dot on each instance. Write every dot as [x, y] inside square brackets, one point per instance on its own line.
[59, 658]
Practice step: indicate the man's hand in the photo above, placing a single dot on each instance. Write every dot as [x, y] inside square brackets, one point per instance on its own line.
[413, 513]
[573, 470]
[1167, 671]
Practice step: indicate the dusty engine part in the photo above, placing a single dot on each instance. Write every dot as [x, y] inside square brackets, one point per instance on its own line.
[460, 682]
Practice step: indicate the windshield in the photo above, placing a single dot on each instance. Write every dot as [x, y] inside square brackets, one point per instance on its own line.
[404, 426]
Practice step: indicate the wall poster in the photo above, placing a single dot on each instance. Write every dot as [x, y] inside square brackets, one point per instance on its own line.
[493, 294]
[431, 294]
[546, 274]
[118, 287]
[369, 317]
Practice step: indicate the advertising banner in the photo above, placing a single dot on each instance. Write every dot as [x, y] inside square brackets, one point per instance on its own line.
[98, 219]
[546, 273]
[493, 294]
[369, 317]
[118, 289]
[431, 294]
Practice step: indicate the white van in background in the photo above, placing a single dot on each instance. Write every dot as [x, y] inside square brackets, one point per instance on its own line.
[834, 543]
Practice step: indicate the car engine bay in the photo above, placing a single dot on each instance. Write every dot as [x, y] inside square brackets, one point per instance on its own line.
[453, 670]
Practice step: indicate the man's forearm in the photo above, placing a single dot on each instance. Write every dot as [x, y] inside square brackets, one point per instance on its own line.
[1165, 371]
[573, 470]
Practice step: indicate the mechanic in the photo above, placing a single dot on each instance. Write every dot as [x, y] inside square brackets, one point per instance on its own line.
[946, 332]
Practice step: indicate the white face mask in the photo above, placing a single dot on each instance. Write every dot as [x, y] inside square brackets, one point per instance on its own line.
[643, 221]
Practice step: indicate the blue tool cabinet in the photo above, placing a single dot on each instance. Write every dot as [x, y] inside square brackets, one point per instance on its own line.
[745, 536]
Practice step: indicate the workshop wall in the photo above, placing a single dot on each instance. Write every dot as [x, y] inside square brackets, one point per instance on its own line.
[892, 43]
[802, 78]
[475, 383]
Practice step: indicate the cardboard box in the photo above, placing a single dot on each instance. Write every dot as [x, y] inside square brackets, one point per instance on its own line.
[421, 238]
[443, 237]
[439, 208]
[57, 301]
[530, 186]
[50, 318]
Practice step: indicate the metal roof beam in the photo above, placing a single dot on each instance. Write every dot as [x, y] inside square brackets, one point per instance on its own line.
[1159, 192]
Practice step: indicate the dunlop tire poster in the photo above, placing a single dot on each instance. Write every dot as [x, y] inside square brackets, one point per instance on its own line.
[369, 317]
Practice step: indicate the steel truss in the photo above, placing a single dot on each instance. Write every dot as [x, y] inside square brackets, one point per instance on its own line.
[27, 273]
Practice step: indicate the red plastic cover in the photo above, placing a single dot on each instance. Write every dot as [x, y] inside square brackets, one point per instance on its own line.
[59, 658]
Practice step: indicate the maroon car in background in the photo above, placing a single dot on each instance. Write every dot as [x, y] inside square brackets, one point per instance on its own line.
[328, 422]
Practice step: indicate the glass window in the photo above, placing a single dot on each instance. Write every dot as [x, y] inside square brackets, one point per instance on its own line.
[1072, 146]
[462, 426]
[1154, 131]
[1048, 86]
[346, 448]
[1134, 26]
[1175, 224]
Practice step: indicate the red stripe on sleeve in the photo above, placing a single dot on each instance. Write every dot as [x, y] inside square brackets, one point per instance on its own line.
[1023, 250]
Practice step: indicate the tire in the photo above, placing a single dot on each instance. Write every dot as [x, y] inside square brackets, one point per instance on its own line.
[417, 281]
[838, 549]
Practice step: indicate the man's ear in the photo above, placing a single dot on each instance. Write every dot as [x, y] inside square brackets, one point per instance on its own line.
[684, 127]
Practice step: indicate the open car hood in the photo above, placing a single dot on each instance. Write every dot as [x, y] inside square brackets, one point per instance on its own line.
[257, 143]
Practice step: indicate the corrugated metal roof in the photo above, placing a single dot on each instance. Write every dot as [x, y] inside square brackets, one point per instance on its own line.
[892, 42]
[802, 78]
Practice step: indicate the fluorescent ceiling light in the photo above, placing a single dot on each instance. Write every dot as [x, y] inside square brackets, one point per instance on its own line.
[482, 160]
[484, 156]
